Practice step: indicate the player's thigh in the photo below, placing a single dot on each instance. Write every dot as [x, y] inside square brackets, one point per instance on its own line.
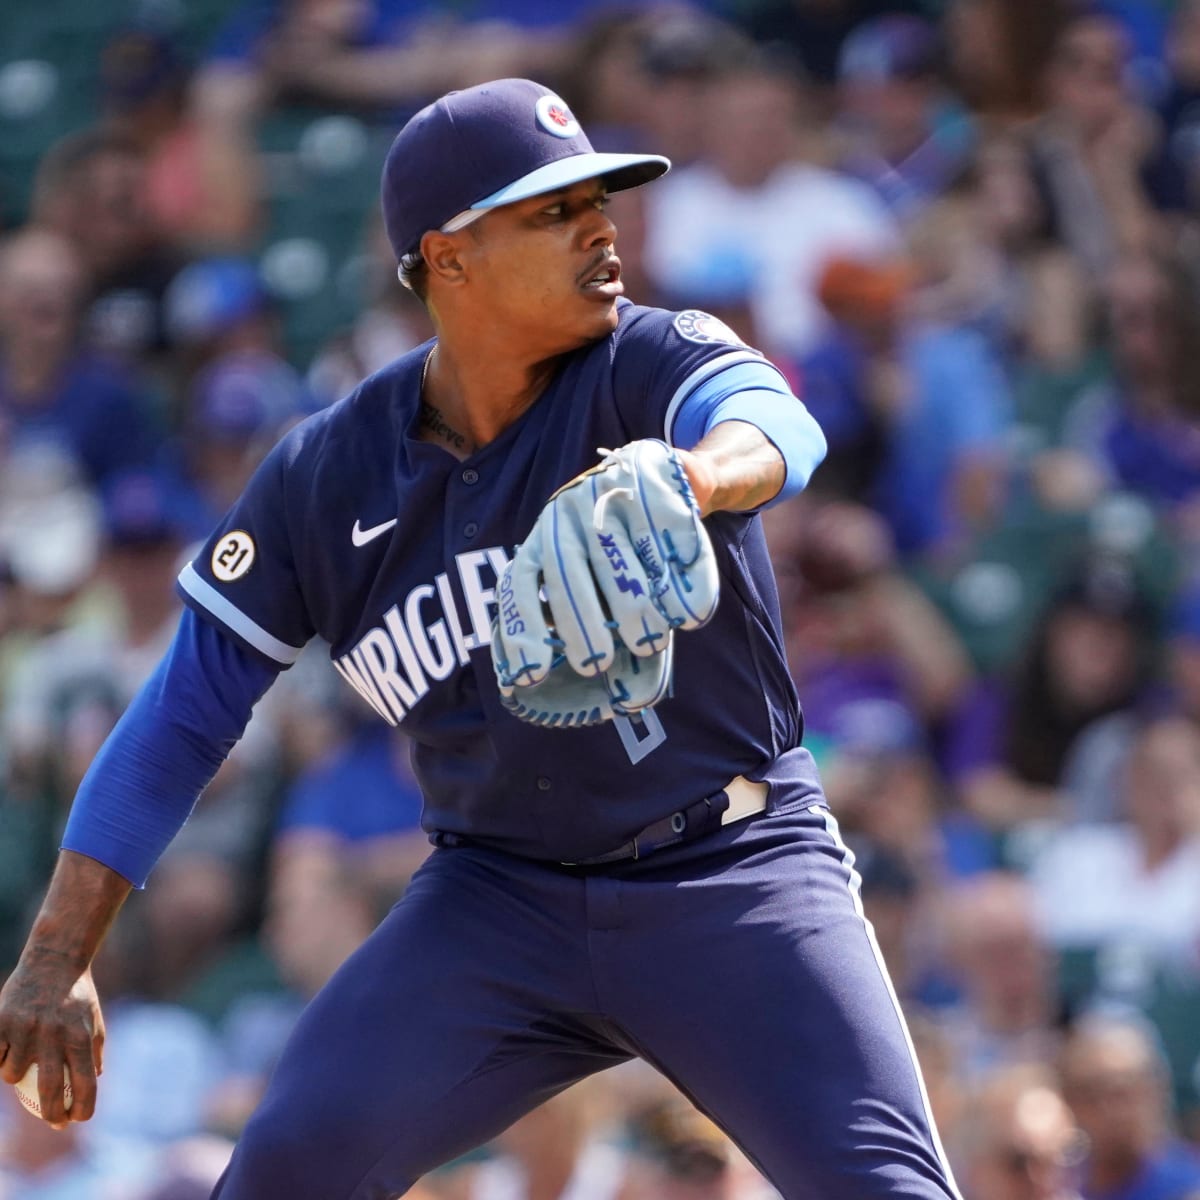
[760, 991]
[431, 1038]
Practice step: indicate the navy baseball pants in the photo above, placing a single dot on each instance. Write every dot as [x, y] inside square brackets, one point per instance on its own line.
[738, 964]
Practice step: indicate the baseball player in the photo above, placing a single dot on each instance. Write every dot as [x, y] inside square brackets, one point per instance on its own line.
[533, 543]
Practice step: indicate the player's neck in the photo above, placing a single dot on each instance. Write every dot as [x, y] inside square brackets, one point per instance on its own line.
[470, 398]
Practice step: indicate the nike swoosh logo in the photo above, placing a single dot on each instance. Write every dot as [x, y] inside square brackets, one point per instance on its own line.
[360, 536]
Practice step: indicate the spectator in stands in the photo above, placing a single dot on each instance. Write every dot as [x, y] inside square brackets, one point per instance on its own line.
[163, 1065]
[69, 688]
[1116, 1082]
[203, 179]
[997, 53]
[380, 840]
[1182, 653]
[1019, 1140]
[1005, 970]
[684, 54]
[219, 305]
[1008, 746]
[41, 1163]
[1177, 108]
[240, 406]
[638, 77]
[387, 55]
[857, 630]
[1090, 147]
[1060, 363]
[189, 1170]
[553, 1151]
[926, 400]
[390, 322]
[51, 389]
[899, 899]
[902, 131]
[50, 531]
[313, 923]
[1135, 883]
[240, 394]
[947, 1092]
[814, 30]
[749, 219]
[1143, 427]
[92, 188]
[676, 1153]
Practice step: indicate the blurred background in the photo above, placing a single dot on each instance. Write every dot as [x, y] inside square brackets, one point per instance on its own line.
[968, 231]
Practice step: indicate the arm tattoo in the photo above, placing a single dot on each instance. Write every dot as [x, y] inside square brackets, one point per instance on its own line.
[750, 470]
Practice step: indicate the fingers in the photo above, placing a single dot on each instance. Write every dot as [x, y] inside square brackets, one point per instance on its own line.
[523, 645]
[98, 1038]
[579, 618]
[673, 551]
[14, 1061]
[82, 1068]
[621, 548]
[51, 1081]
[61, 1034]
[637, 683]
[628, 592]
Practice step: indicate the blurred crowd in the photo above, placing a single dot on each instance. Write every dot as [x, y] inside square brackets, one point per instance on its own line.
[968, 230]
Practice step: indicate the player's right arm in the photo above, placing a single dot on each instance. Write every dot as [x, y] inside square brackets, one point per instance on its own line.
[134, 799]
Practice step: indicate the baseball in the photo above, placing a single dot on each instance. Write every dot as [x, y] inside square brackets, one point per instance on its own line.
[27, 1089]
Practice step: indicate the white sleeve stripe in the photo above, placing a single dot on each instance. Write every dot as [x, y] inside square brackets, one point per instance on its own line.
[210, 599]
[705, 371]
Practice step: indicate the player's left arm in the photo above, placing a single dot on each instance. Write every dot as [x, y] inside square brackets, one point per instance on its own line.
[745, 439]
[620, 558]
[735, 468]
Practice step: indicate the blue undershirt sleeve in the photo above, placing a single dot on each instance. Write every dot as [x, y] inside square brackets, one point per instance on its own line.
[757, 393]
[144, 782]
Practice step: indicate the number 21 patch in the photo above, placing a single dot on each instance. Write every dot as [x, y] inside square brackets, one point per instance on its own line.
[233, 556]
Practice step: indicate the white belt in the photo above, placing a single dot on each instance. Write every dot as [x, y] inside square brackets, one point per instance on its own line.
[745, 799]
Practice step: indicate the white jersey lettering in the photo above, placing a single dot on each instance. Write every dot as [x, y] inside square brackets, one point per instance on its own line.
[394, 663]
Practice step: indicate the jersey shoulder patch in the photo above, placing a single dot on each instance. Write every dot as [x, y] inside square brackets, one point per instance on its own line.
[703, 327]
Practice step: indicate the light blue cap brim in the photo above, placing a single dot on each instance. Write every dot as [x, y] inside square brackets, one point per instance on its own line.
[619, 171]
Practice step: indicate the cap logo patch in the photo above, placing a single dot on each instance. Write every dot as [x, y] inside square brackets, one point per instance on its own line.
[555, 117]
[233, 556]
[699, 326]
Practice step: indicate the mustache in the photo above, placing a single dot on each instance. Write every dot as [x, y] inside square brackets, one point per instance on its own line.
[605, 259]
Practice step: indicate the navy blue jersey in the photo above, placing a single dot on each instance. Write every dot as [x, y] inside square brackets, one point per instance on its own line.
[388, 548]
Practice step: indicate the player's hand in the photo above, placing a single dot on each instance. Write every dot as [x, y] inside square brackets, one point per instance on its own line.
[50, 1014]
[616, 562]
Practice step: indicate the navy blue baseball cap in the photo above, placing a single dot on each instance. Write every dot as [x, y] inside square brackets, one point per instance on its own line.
[485, 146]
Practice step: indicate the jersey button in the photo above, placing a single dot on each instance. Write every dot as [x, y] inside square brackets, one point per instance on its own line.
[470, 529]
[470, 475]
[543, 783]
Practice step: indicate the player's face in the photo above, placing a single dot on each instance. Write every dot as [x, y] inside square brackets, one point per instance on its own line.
[545, 270]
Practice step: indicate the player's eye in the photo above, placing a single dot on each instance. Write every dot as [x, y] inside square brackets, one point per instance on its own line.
[601, 202]
[554, 210]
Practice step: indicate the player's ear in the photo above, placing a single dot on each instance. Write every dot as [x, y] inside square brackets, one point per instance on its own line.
[441, 252]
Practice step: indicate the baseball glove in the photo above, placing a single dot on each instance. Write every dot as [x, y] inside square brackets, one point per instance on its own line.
[619, 550]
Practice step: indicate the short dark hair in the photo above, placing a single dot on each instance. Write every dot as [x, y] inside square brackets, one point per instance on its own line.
[415, 276]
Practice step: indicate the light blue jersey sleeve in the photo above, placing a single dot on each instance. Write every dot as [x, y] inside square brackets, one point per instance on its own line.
[754, 392]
